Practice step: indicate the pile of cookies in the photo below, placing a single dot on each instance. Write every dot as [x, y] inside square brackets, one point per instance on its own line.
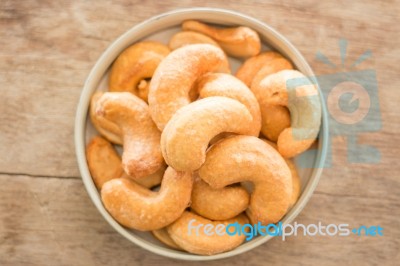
[192, 133]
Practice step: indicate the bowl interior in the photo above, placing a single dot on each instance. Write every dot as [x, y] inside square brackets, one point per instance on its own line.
[161, 28]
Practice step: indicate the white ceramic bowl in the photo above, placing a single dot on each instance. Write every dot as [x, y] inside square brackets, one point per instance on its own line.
[161, 28]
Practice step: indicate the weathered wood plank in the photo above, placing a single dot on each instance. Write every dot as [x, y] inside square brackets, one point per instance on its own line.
[51, 220]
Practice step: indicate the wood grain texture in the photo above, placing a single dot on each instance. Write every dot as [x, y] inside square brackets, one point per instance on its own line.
[47, 51]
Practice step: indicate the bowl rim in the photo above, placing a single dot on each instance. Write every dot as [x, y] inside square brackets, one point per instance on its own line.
[91, 83]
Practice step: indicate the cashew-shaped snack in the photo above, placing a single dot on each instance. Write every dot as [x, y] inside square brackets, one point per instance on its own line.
[141, 138]
[186, 137]
[151, 180]
[301, 98]
[183, 38]
[135, 64]
[235, 41]
[221, 84]
[275, 118]
[139, 208]
[248, 70]
[296, 185]
[143, 89]
[163, 236]
[176, 75]
[105, 164]
[272, 66]
[189, 233]
[218, 204]
[106, 128]
[103, 161]
[247, 158]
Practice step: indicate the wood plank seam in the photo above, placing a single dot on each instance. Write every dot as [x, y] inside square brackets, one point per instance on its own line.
[40, 176]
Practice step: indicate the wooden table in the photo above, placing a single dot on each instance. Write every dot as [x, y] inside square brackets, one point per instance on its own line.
[47, 51]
